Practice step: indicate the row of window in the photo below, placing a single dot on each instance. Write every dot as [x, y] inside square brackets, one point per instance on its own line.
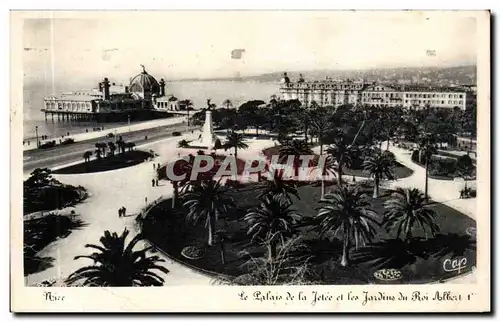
[409, 95]
[66, 105]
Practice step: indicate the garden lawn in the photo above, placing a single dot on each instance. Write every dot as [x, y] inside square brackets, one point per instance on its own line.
[114, 162]
[421, 260]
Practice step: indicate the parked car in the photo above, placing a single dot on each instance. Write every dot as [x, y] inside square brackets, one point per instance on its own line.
[68, 141]
[176, 133]
[110, 135]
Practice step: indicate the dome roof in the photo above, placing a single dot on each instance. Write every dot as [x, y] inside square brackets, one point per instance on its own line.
[144, 83]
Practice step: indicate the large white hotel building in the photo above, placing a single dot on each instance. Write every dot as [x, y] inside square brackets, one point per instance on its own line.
[359, 93]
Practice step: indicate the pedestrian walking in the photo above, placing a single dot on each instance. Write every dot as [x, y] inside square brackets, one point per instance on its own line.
[28, 143]
[153, 182]
[145, 137]
[156, 182]
[154, 166]
[146, 200]
[124, 211]
[119, 212]
[158, 167]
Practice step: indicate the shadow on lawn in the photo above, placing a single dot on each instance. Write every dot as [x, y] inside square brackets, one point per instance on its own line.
[396, 253]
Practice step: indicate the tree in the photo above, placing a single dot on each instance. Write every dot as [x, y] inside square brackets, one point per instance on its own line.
[98, 154]
[321, 125]
[112, 147]
[427, 148]
[206, 200]
[465, 168]
[295, 148]
[87, 155]
[40, 177]
[102, 147]
[286, 268]
[236, 141]
[278, 187]
[227, 103]
[188, 105]
[407, 209]
[274, 220]
[183, 144]
[341, 151]
[117, 264]
[380, 165]
[346, 211]
[121, 145]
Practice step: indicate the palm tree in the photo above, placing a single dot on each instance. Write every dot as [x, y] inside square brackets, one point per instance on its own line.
[465, 168]
[278, 187]
[346, 211]
[380, 165]
[295, 148]
[121, 145]
[236, 141]
[188, 105]
[98, 154]
[406, 209]
[328, 167]
[112, 147]
[227, 103]
[341, 151]
[426, 149]
[87, 155]
[206, 200]
[117, 264]
[183, 144]
[273, 220]
[101, 146]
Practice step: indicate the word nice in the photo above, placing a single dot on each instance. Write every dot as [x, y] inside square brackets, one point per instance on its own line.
[204, 167]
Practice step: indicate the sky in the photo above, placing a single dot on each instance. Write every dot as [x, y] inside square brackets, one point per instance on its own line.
[198, 44]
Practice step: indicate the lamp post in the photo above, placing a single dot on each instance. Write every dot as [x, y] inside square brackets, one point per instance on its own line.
[129, 123]
[36, 132]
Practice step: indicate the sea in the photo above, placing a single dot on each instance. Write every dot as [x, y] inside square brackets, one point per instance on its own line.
[198, 92]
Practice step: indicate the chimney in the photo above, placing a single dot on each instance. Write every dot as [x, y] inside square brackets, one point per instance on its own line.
[162, 87]
[105, 84]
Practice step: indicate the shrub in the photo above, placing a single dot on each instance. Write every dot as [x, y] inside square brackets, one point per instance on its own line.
[176, 133]
[443, 167]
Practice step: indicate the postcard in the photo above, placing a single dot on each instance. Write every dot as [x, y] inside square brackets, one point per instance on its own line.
[250, 161]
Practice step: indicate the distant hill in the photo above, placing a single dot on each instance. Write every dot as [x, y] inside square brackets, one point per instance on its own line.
[459, 74]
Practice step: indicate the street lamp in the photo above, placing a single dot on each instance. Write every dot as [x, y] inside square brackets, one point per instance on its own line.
[129, 122]
[36, 132]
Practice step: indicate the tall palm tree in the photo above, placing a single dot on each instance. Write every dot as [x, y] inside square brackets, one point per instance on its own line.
[87, 155]
[236, 141]
[341, 150]
[346, 212]
[274, 219]
[101, 146]
[206, 200]
[117, 264]
[188, 105]
[380, 165]
[407, 209]
[321, 125]
[427, 148]
[278, 187]
[112, 147]
[328, 167]
[227, 103]
[295, 148]
[98, 154]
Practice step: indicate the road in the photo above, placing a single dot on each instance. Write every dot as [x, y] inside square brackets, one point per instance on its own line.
[48, 158]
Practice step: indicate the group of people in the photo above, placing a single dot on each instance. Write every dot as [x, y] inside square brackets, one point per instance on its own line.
[122, 212]
[154, 182]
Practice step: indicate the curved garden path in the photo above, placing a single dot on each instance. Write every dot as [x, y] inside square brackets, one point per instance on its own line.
[130, 186]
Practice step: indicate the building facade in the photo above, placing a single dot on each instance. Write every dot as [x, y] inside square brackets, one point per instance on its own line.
[143, 92]
[357, 93]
